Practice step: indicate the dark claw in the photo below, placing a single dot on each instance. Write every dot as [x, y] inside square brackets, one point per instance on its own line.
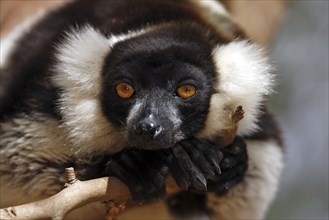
[194, 177]
[216, 166]
[177, 172]
[198, 160]
[234, 166]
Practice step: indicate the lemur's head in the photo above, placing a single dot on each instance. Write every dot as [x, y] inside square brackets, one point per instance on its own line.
[152, 88]
[158, 85]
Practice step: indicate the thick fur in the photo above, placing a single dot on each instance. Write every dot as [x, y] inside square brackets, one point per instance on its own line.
[244, 71]
[57, 119]
[78, 74]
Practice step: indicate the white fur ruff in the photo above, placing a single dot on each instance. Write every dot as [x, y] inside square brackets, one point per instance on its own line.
[244, 78]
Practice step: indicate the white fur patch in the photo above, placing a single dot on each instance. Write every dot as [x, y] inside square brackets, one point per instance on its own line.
[8, 43]
[176, 119]
[244, 78]
[28, 144]
[79, 73]
[252, 198]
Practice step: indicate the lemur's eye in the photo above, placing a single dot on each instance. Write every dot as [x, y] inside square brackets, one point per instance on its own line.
[186, 91]
[125, 90]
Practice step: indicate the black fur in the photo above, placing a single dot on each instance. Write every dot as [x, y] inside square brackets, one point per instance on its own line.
[178, 49]
[269, 128]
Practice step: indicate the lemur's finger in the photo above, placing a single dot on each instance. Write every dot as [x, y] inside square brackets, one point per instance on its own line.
[199, 159]
[196, 179]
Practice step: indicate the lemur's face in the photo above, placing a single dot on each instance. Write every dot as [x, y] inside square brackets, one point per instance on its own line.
[152, 88]
[159, 90]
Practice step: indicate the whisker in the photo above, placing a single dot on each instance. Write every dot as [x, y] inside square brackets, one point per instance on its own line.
[116, 117]
[192, 113]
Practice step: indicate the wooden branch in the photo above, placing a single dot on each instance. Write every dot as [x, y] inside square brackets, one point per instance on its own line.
[228, 134]
[75, 194]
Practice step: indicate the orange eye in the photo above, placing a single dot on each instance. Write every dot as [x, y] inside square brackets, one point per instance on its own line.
[186, 91]
[125, 90]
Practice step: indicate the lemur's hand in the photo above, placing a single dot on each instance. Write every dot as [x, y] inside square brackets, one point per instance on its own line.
[233, 166]
[203, 166]
[193, 162]
[143, 171]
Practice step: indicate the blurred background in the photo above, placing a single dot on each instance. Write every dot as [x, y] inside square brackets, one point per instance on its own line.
[296, 34]
[300, 50]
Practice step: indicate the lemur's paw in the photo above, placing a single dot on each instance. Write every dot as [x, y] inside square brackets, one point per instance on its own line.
[142, 171]
[194, 162]
[233, 166]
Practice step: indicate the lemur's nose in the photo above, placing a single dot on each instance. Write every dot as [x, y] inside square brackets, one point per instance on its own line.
[148, 128]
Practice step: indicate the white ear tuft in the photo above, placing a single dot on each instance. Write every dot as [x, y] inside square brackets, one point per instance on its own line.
[244, 78]
[243, 69]
[78, 72]
[81, 58]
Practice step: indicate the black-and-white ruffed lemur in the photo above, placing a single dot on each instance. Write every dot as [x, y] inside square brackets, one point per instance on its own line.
[139, 90]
